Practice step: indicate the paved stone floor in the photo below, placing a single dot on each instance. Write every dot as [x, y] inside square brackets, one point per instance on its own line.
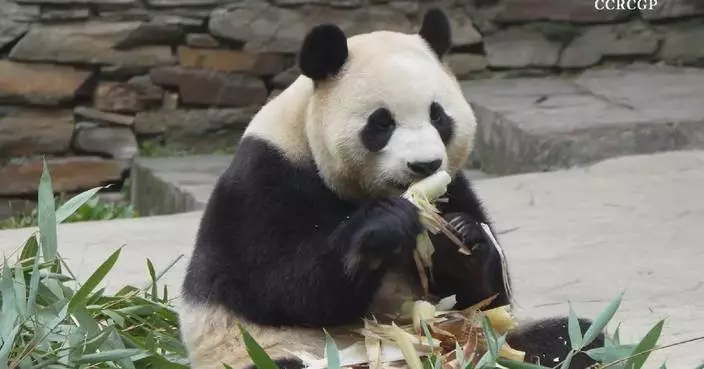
[534, 124]
[630, 224]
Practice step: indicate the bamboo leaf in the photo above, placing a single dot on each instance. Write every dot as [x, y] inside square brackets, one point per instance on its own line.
[111, 355]
[513, 364]
[34, 281]
[331, 352]
[642, 351]
[260, 358]
[568, 360]
[602, 320]
[46, 216]
[70, 206]
[490, 338]
[93, 281]
[152, 275]
[575, 331]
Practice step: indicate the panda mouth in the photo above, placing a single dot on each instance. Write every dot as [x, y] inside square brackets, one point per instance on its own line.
[401, 186]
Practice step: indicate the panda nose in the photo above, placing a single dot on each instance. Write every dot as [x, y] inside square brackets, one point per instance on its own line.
[425, 168]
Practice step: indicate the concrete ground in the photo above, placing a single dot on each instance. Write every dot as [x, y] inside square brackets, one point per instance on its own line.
[630, 224]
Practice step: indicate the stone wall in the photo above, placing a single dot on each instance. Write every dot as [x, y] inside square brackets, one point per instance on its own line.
[84, 82]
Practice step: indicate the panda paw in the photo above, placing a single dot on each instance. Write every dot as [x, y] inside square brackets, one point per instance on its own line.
[392, 228]
[467, 230]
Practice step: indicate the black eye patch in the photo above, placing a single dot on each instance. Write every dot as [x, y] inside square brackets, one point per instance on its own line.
[442, 122]
[378, 130]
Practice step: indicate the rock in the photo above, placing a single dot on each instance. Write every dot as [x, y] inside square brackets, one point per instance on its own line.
[11, 11]
[67, 175]
[407, 7]
[192, 23]
[89, 43]
[224, 60]
[521, 48]
[169, 101]
[632, 39]
[273, 94]
[10, 31]
[263, 63]
[368, 19]
[51, 13]
[203, 40]
[39, 84]
[116, 72]
[127, 97]
[177, 123]
[463, 31]
[124, 15]
[195, 13]
[574, 11]
[263, 27]
[674, 9]
[79, 2]
[256, 24]
[151, 33]
[211, 88]
[146, 90]
[269, 64]
[15, 207]
[464, 65]
[345, 4]
[116, 142]
[179, 3]
[285, 78]
[27, 132]
[679, 46]
[104, 117]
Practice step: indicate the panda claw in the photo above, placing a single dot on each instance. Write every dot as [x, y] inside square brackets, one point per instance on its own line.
[465, 228]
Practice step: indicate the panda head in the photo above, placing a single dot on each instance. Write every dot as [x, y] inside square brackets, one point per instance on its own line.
[385, 111]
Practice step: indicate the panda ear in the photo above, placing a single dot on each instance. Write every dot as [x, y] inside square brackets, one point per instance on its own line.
[323, 53]
[436, 31]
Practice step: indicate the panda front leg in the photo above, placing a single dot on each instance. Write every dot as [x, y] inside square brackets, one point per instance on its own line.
[471, 278]
[476, 277]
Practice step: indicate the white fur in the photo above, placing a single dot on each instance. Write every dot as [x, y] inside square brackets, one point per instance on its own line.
[386, 69]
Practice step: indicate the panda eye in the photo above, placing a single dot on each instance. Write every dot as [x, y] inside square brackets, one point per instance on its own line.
[436, 113]
[382, 118]
[441, 122]
[378, 130]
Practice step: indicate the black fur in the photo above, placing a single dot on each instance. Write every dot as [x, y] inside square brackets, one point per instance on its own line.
[323, 52]
[436, 31]
[378, 130]
[442, 122]
[275, 243]
[284, 364]
[545, 340]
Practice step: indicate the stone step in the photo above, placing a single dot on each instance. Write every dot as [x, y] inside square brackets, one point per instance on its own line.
[539, 124]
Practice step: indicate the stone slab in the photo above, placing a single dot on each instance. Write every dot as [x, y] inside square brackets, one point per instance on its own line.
[68, 175]
[631, 223]
[39, 84]
[89, 43]
[537, 124]
[163, 186]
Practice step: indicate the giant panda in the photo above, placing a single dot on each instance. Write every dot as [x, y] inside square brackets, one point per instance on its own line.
[306, 228]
